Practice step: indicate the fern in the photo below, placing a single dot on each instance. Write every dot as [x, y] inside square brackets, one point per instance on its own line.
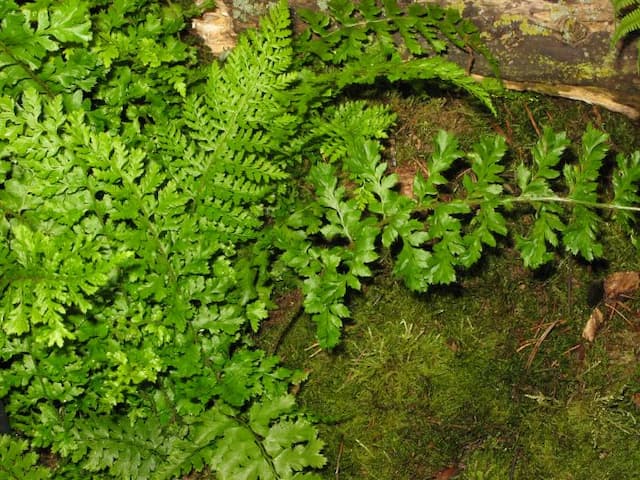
[146, 206]
[625, 189]
[364, 41]
[582, 182]
[17, 463]
[131, 271]
[351, 30]
[435, 235]
[25, 51]
[628, 13]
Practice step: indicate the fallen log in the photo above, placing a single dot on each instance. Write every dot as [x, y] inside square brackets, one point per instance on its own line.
[560, 48]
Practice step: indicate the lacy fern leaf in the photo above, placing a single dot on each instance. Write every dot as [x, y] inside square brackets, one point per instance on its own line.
[19, 464]
[131, 270]
[580, 235]
[628, 13]
[626, 184]
[344, 34]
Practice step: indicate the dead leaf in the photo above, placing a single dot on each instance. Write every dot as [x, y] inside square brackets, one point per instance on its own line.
[593, 325]
[446, 473]
[636, 399]
[621, 284]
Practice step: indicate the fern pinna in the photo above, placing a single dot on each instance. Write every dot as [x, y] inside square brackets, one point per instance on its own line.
[628, 12]
[361, 42]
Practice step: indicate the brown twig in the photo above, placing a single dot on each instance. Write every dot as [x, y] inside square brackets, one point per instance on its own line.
[340, 450]
[470, 60]
[532, 120]
[539, 341]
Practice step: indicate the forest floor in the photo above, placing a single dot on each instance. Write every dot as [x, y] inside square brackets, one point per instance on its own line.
[489, 378]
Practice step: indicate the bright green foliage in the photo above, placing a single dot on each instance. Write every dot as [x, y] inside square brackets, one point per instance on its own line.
[125, 54]
[147, 202]
[535, 184]
[580, 236]
[28, 37]
[338, 218]
[16, 463]
[263, 443]
[134, 192]
[130, 270]
[629, 13]
[625, 187]
[353, 29]
[579, 231]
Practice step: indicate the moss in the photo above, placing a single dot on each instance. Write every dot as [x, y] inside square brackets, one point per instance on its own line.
[524, 25]
[587, 70]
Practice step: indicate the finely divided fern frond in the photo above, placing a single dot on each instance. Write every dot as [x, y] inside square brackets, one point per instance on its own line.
[130, 272]
[619, 5]
[625, 187]
[18, 463]
[351, 29]
[436, 234]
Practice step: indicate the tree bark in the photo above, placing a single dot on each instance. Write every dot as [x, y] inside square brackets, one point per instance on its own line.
[558, 48]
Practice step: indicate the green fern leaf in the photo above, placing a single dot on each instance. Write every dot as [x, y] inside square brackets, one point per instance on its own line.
[348, 37]
[533, 248]
[410, 265]
[338, 125]
[619, 5]
[626, 183]
[628, 23]
[546, 155]
[127, 450]
[291, 446]
[446, 152]
[18, 463]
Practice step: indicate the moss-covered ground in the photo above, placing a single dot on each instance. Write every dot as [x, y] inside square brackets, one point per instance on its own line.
[488, 378]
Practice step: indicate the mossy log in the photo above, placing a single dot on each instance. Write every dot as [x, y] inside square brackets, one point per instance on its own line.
[558, 48]
[555, 47]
